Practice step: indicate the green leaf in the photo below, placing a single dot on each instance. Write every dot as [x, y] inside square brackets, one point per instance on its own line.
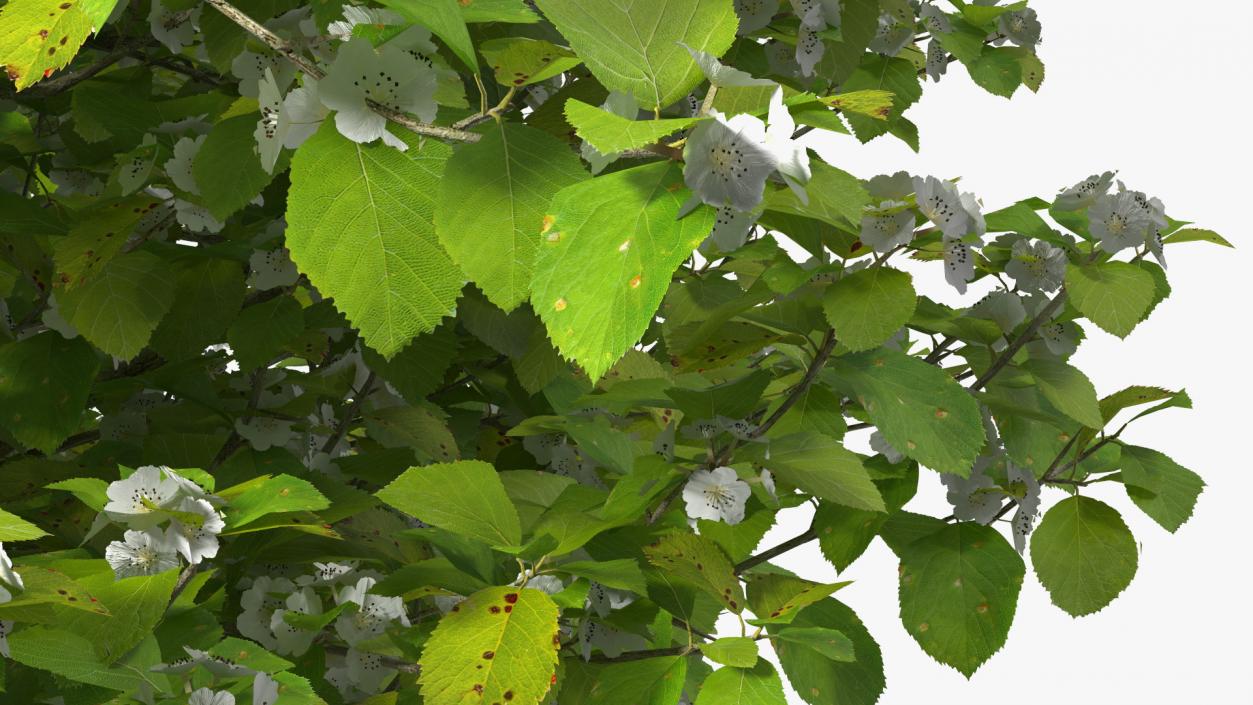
[823, 467]
[1160, 487]
[997, 70]
[759, 685]
[494, 196]
[882, 73]
[828, 642]
[445, 19]
[227, 168]
[118, 310]
[867, 307]
[610, 133]
[817, 678]
[415, 427]
[1113, 295]
[1197, 235]
[1083, 554]
[958, 590]
[44, 383]
[1068, 389]
[47, 586]
[609, 251]
[521, 61]
[262, 331]
[738, 651]
[873, 103]
[921, 411]
[359, 225]
[15, 528]
[513, 11]
[465, 497]
[207, 298]
[652, 681]
[620, 573]
[96, 239]
[697, 560]
[135, 606]
[634, 47]
[38, 37]
[734, 399]
[267, 494]
[499, 646]
[777, 598]
[1136, 395]
[835, 197]
[70, 656]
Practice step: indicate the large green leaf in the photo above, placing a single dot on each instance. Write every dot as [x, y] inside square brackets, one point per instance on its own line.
[823, 467]
[632, 46]
[651, 681]
[359, 224]
[1160, 487]
[959, 590]
[1115, 295]
[892, 74]
[498, 646]
[610, 133]
[44, 383]
[866, 308]
[494, 196]
[262, 330]
[698, 560]
[99, 237]
[1083, 554]
[921, 411]
[70, 656]
[1068, 389]
[610, 248]
[738, 651]
[465, 497]
[835, 197]
[118, 310]
[135, 605]
[227, 168]
[817, 678]
[38, 37]
[759, 685]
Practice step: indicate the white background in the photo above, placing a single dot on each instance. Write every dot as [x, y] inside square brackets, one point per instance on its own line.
[1157, 90]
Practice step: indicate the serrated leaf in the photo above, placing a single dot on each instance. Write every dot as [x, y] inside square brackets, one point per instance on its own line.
[465, 497]
[1084, 554]
[738, 651]
[521, 61]
[777, 598]
[359, 225]
[959, 590]
[118, 309]
[867, 307]
[44, 383]
[1160, 487]
[823, 467]
[1114, 295]
[835, 197]
[267, 494]
[500, 645]
[820, 680]
[97, 238]
[1134, 395]
[921, 411]
[872, 102]
[620, 573]
[759, 685]
[634, 47]
[227, 168]
[828, 642]
[652, 681]
[698, 561]
[1197, 235]
[610, 133]
[997, 70]
[494, 196]
[15, 528]
[414, 427]
[38, 37]
[261, 331]
[605, 263]
[135, 606]
[883, 73]
[69, 656]
[1068, 389]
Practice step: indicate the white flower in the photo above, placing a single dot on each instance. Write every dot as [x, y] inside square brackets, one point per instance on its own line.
[373, 613]
[328, 574]
[663, 443]
[791, 156]
[603, 600]
[1036, 266]
[1084, 193]
[610, 641]
[1156, 212]
[717, 494]
[250, 68]
[880, 445]
[446, 603]
[204, 696]
[941, 204]
[622, 105]
[173, 28]
[1118, 221]
[1021, 27]
[767, 481]
[214, 664]
[1060, 338]
[731, 228]
[1028, 504]
[366, 671]
[541, 446]
[887, 226]
[728, 161]
[196, 218]
[391, 77]
[8, 577]
[959, 264]
[178, 168]
[6, 626]
[937, 60]
[755, 14]
[264, 689]
[138, 500]
[973, 211]
[269, 139]
[893, 35]
[291, 640]
[259, 602]
[809, 48]
[356, 15]
[814, 15]
[301, 115]
[196, 543]
[189, 487]
[974, 498]
[934, 19]
[141, 553]
[264, 432]
[270, 269]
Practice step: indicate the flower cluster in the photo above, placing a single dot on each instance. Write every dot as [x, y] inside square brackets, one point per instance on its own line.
[1126, 219]
[151, 496]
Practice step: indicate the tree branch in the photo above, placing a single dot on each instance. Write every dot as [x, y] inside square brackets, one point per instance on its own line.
[820, 360]
[341, 427]
[1027, 334]
[799, 540]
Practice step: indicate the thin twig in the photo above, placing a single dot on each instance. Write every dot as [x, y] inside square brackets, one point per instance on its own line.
[350, 413]
[1027, 334]
[819, 361]
[799, 540]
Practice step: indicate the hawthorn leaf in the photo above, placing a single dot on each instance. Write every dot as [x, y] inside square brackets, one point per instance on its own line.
[758, 685]
[610, 133]
[118, 309]
[44, 384]
[866, 308]
[465, 497]
[1084, 554]
[1115, 296]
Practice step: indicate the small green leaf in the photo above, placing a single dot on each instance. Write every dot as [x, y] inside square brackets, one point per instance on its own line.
[1083, 554]
[610, 133]
[15, 528]
[620, 573]
[737, 651]
[867, 307]
[269, 495]
[1115, 295]
[759, 685]
[823, 467]
[500, 645]
[44, 383]
[1068, 389]
[777, 598]
[521, 61]
[997, 70]
[828, 642]
[227, 168]
[835, 197]
[873, 103]
[465, 497]
[1197, 235]
[1160, 487]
